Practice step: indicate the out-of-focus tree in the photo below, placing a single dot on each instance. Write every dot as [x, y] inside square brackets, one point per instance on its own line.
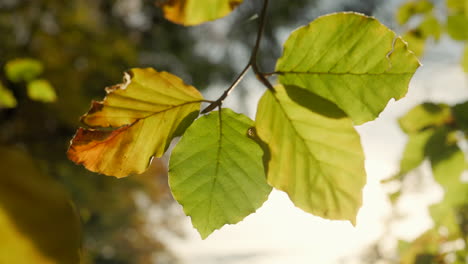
[437, 133]
[80, 46]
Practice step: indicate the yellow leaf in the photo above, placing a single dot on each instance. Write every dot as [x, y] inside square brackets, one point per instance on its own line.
[194, 12]
[7, 99]
[41, 90]
[465, 59]
[38, 223]
[146, 112]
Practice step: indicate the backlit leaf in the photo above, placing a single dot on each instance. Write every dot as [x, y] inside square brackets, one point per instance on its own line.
[38, 222]
[424, 116]
[7, 99]
[447, 159]
[194, 12]
[465, 59]
[448, 165]
[411, 8]
[216, 171]
[447, 212]
[147, 111]
[413, 155]
[460, 113]
[457, 26]
[416, 42]
[415, 150]
[430, 27]
[459, 6]
[314, 152]
[444, 214]
[422, 249]
[23, 69]
[350, 59]
[41, 90]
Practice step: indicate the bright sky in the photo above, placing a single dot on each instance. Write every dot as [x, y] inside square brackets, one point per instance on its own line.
[280, 233]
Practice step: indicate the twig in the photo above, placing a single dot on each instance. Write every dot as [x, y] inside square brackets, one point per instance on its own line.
[261, 25]
[252, 63]
[220, 100]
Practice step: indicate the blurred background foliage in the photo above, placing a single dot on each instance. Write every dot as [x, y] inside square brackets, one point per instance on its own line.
[437, 134]
[56, 56]
[426, 20]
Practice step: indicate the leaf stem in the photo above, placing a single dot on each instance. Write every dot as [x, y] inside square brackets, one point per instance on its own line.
[252, 63]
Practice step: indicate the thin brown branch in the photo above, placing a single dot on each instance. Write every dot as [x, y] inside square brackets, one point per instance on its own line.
[220, 100]
[261, 26]
[253, 58]
[252, 63]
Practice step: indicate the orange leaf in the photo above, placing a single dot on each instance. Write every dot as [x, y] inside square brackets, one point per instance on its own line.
[194, 12]
[146, 111]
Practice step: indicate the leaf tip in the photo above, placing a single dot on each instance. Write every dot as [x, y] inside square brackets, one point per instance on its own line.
[204, 234]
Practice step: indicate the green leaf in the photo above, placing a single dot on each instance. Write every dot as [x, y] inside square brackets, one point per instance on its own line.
[409, 9]
[457, 26]
[415, 151]
[7, 99]
[146, 112]
[41, 90]
[460, 113]
[394, 196]
[216, 171]
[194, 12]
[424, 116]
[413, 155]
[447, 212]
[315, 154]
[447, 159]
[351, 60]
[422, 249]
[448, 165]
[416, 37]
[459, 6]
[416, 41]
[430, 27]
[23, 69]
[444, 214]
[38, 222]
[465, 59]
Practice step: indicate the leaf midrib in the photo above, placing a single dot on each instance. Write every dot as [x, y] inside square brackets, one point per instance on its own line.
[319, 162]
[283, 73]
[218, 153]
[141, 118]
